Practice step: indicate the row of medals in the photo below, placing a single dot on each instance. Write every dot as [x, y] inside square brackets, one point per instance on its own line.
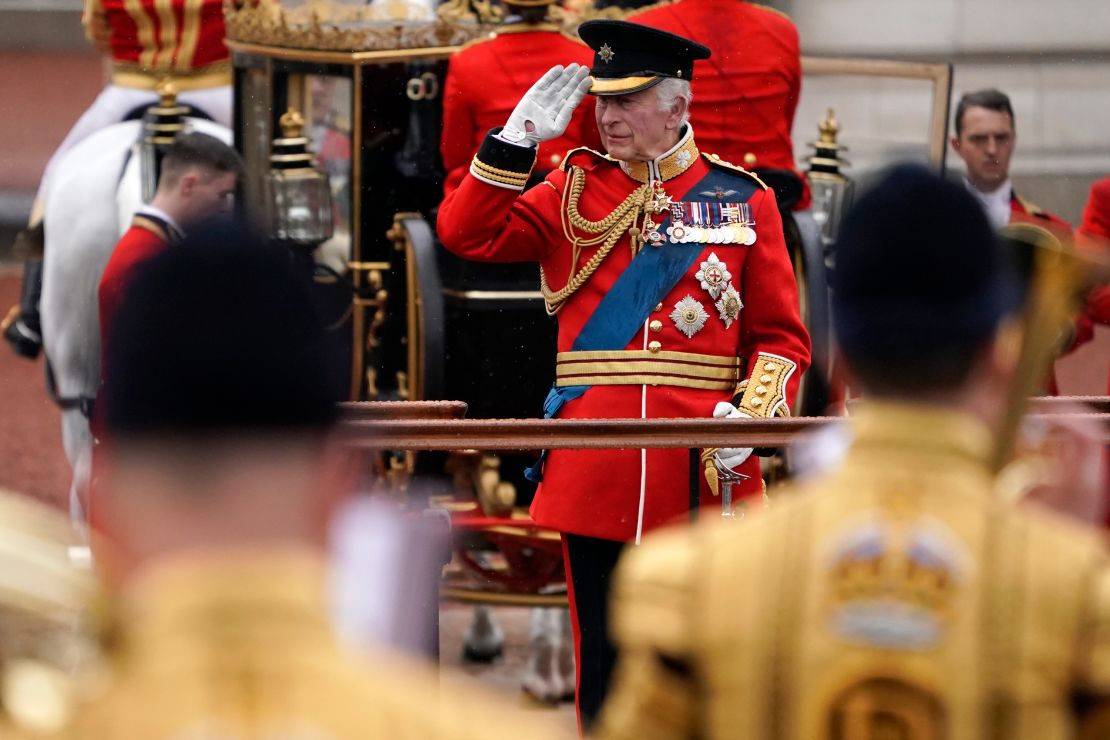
[723, 234]
[731, 231]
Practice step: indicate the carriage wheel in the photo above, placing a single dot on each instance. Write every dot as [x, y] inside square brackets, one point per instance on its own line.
[807, 255]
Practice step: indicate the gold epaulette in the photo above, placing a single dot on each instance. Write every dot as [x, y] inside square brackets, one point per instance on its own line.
[510, 28]
[475, 42]
[653, 6]
[151, 225]
[715, 161]
[571, 37]
[572, 152]
[1032, 208]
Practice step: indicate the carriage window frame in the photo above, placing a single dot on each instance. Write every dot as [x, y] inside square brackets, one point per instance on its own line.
[939, 74]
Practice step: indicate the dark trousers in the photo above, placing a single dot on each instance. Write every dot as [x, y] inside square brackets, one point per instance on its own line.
[590, 563]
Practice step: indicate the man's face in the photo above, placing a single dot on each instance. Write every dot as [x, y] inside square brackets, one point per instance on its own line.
[207, 193]
[633, 128]
[985, 143]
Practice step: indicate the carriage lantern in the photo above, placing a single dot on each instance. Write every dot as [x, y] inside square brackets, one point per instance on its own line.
[299, 195]
[832, 191]
[162, 122]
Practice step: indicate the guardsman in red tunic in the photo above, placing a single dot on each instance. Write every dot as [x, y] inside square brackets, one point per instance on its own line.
[985, 138]
[673, 289]
[487, 77]
[198, 178]
[149, 41]
[746, 93]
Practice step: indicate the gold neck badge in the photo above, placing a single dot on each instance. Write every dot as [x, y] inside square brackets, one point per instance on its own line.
[667, 166]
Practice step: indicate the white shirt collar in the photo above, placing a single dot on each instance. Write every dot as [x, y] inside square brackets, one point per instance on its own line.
[996, 203]
[158, 213]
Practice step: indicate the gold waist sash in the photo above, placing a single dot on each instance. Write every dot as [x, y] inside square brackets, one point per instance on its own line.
[638, 367]
[126, 74]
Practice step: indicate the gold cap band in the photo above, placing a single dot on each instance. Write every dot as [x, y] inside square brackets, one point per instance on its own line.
[621, 85]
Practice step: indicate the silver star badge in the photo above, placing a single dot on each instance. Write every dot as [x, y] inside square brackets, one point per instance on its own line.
[689, 316]
[729, 306]
[713, 275]
[605, 53]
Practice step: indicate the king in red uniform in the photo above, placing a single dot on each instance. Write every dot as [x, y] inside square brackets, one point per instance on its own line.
[746, 93]
[487, 77]
[673, 288]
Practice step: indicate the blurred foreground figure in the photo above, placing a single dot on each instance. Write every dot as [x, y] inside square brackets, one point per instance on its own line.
[897, 596]
[218, 481]
[43, 597]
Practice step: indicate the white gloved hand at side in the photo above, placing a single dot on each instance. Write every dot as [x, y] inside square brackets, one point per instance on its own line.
[544, 112]
[730, 457]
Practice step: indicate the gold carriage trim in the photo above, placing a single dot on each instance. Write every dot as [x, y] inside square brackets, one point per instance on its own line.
[765, 393]
[132, 75]
[501, 178]
[637, 367]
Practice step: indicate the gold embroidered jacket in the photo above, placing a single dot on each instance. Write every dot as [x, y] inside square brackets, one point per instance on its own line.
[238, 647]
[893, 599]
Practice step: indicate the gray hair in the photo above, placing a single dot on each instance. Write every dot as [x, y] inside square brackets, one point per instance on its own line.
[669, 90]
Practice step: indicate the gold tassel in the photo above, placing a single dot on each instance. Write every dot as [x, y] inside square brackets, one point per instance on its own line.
[710, 465]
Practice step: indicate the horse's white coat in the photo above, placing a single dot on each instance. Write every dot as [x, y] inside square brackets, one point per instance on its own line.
[87, 208]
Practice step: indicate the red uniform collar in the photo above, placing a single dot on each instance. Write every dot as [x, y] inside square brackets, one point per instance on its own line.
[668, 165]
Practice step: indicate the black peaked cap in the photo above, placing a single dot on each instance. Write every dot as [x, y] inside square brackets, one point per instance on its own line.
[629, 57]
[216, 335]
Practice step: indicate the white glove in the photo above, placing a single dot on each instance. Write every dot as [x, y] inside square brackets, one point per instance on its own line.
[544, 112]
[730, 457]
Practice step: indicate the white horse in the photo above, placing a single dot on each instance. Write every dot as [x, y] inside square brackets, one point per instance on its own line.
[90, 197]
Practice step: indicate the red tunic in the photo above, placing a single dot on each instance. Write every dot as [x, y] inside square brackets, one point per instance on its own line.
[148, 38]
[596, 492]
[485, 81]
[146, 238]
[1096, 228]
[746, 93]
[1024, 211]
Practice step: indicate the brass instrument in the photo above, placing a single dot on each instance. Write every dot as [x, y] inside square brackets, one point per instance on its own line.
[1061, 277]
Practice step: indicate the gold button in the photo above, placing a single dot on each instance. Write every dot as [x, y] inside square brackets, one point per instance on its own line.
[656, 325]
[654, 346]
[770, 367]
[556, 159]
[765, 378]
[761, 391]
[757, 402]
[658, 306]
[749, 159]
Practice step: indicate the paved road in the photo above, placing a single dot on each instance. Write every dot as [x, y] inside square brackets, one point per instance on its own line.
[31, 457]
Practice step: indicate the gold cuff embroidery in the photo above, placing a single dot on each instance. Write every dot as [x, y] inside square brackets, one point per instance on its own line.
[765, 394]
[500, 178]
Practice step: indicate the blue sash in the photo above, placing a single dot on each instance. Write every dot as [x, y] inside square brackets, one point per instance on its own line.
[621, 314]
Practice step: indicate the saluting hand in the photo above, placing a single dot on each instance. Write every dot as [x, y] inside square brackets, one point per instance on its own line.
[544, 112]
